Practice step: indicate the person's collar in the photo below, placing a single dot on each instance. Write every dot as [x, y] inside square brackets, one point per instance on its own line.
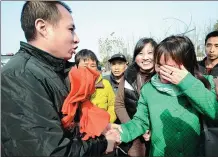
[202, 62]
[68, 66]
[56, 64]
[131, 73]
[170, 89]
[211, 64]
[99, 82]
[113, 78]
[133, 70]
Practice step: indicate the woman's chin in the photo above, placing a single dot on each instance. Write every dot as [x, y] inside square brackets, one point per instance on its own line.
[147, 68]
[164, 81]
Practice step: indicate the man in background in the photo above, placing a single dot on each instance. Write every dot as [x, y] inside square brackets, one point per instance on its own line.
[118, 64]
[209, 65]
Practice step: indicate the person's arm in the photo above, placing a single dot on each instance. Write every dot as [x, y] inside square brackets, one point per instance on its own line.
[201, 98]
[111, 101]
[120, 108]
[140, 122]
[216, 86]
[121, 111]
[31, 124]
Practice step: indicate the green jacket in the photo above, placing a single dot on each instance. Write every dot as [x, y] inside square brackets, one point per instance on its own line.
[175, 127]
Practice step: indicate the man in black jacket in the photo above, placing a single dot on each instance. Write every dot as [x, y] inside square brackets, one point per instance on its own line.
[34, 88]
[209, 65]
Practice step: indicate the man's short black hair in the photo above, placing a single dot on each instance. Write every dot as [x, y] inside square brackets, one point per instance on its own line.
[85, 54]
[211, 34]
[46, 10]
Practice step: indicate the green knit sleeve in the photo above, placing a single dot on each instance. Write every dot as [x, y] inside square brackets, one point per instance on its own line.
[140, 122]
[201, 98]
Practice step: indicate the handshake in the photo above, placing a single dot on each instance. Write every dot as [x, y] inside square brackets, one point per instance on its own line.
[112, 134]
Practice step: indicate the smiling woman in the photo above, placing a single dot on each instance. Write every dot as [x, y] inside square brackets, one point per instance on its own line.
[136, 75]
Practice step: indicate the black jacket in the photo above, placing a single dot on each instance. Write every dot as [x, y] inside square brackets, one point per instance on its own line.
[131, 88]
[33, 91]
[113, 82]
[131, 95]
[202, 68]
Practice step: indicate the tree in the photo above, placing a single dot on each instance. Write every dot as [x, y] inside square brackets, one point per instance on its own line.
[105, 63]
[215, 27]
[129, 58]
[108, 47]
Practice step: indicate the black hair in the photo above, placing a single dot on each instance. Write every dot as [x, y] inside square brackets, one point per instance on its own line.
[33, 10]
[86, 54]
[211, 34]
[141, 44]
[182, 51]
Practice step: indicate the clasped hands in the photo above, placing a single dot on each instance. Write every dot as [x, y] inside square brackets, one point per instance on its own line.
[112, 134]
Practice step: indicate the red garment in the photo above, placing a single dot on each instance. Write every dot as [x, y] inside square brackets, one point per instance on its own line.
[93, 120]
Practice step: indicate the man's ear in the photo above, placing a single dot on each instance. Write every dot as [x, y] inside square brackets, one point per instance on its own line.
[40, 26]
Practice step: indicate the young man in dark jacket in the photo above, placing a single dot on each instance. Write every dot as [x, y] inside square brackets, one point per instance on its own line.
[209, 65]
[34, 88]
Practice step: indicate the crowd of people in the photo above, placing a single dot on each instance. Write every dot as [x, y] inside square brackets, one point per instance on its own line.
[153, 106]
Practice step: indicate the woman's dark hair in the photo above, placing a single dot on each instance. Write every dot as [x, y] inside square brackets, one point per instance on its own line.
[182, 51]
[85, 54]
[141, 44]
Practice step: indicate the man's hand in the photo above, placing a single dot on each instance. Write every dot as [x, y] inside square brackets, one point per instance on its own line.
[105, 131]
[113, 139]
[111, 126]
[114, 129]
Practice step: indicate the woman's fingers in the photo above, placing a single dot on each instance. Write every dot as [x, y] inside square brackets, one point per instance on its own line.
[172, 74]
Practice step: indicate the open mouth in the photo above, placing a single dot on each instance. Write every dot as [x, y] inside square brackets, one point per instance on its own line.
[74, 50]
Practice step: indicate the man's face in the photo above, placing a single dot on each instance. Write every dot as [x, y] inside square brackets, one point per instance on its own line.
[88, 63]
[118, 67]
[211, 48]
[61, 38]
